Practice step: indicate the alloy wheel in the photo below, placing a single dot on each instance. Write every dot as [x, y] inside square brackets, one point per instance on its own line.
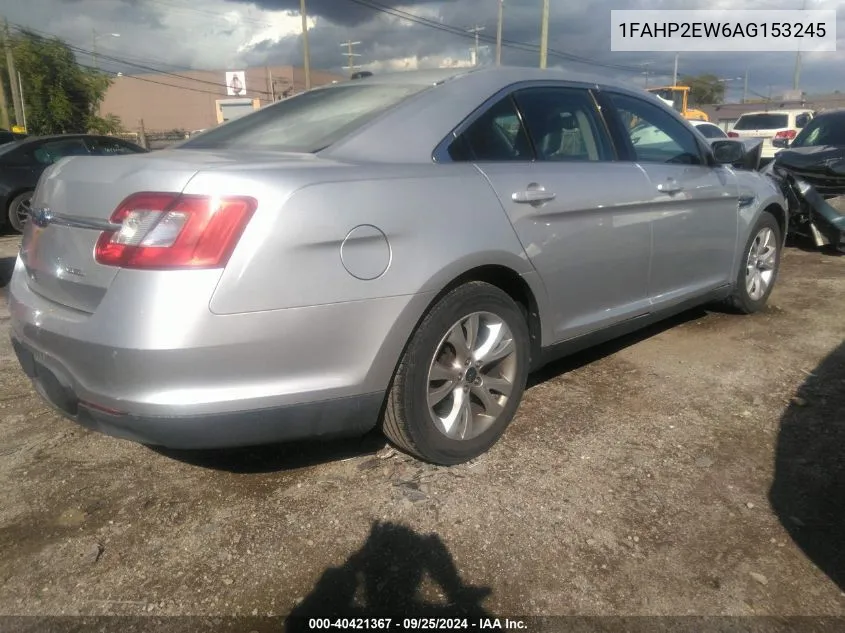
[471, 376]
[760, 265]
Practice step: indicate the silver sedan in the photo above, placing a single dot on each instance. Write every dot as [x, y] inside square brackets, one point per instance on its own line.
[397, 251]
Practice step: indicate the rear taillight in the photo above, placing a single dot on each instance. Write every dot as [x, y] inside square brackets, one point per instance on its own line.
[788, 134]
[170, 230]
[733, 135]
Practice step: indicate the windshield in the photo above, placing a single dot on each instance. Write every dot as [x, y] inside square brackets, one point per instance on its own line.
[822, 130]
[308, 122]
[763, 121]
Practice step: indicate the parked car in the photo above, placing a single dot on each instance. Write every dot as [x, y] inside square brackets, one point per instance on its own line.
[322, 265]
[709, 130]
[811, 169]
[644, 132]
[771, 125]
[7, 136]
[23, 161]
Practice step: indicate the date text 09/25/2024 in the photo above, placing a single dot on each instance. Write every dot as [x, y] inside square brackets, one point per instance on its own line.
[415, 624]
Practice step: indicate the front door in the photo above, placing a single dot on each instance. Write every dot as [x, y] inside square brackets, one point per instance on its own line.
[695, 221]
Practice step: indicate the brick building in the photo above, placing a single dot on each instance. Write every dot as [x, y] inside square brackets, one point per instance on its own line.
[193, 99]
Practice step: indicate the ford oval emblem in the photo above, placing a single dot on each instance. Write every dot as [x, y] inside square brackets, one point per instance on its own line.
[41, 216]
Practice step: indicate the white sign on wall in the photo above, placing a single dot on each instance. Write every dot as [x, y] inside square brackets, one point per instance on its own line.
[236, 83]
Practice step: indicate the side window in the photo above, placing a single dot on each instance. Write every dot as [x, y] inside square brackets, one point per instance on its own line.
[52, 151]
[563, 124]
[657, 137]
[109, 147]
[802, 119]
[497, 135]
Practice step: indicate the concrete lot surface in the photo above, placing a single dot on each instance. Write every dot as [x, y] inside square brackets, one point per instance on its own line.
[696, 468]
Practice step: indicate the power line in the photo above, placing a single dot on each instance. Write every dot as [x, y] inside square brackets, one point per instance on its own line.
[119, 60]
[412, 17]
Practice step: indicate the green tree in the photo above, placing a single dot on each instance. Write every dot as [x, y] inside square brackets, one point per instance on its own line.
[705, 89]
[60, 95]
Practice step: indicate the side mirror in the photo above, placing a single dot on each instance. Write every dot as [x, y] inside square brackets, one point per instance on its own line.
[727, 152]
[742, 154]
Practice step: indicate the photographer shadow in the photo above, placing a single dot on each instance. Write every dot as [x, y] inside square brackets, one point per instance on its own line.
[808, 491]
[384, 580]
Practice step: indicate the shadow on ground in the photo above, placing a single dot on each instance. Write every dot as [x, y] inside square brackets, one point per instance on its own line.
[292, 456]
[7, 265]
[808, 492]
[396, 573]
[278, 457]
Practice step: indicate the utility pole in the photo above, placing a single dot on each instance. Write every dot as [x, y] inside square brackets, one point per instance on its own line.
[745, 87]
[350, 55]
[305, 52]
[476, 29]
[10, 66]
[544, 35]
[271, 85]
[4, 105]
[647, 72]
[499, 34]
[675, 72]
[94, 48]
[796, 75]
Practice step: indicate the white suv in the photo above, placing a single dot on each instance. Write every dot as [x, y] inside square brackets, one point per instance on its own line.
[770, 125]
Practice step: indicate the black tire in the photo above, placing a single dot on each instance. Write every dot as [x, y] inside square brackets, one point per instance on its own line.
[15, 221]
[407, 421]
[741, 301]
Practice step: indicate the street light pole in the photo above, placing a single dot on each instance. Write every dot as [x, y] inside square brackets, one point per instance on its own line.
[305, 52]
[499, 34]
[544, 35]
[675, 72]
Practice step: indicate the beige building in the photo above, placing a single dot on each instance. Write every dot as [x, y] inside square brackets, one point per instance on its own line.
[196, 99]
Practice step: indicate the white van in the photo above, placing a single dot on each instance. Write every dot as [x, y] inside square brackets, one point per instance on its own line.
[769, 125]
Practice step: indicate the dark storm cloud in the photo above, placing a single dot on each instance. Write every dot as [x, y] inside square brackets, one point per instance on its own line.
[582, 30]
[343, 12]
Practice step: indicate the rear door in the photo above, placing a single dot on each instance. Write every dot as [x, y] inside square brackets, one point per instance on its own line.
[577, 211]
[695, 221]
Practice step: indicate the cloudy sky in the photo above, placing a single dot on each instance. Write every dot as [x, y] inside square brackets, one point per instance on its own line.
[230, 34]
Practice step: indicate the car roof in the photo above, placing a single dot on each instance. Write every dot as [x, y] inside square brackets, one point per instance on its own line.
[782, 111]
[506, 74]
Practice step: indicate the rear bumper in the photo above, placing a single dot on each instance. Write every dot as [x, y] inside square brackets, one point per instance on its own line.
[187, 378]
[340, 417]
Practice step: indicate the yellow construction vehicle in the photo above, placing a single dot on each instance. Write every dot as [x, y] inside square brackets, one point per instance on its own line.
[677, 97]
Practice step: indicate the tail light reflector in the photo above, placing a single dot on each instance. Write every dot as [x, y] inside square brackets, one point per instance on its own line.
[733, 135]
[788, 134]
[170, 230]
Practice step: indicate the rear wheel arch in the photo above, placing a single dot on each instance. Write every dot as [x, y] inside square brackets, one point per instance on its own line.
[511, 283]
[500, 276]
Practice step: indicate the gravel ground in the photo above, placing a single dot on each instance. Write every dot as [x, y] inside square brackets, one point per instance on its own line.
[695, 468]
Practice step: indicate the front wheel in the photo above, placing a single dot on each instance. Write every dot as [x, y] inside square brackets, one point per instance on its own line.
[760, 265]
[19, 211]
[461, 378]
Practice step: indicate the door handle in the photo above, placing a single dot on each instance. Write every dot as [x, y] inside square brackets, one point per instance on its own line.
[532, 196]
[670, 186]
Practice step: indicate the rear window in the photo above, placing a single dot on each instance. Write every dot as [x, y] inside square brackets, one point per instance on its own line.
[308, 122]
[765, 121]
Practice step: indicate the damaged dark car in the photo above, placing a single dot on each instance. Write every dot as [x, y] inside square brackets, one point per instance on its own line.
[811, 172]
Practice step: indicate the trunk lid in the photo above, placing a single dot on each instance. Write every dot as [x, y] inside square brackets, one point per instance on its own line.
[72, 205]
